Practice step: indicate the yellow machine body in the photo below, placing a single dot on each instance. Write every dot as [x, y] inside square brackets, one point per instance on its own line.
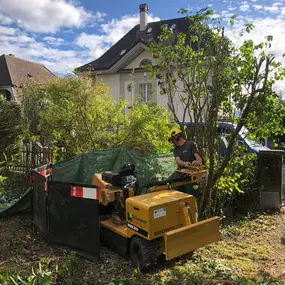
[192, 237]
[151, 215]
[163, 215]
[170, 217]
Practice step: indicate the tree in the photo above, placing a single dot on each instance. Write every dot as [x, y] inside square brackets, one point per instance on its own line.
[210, 77]
[146, 128]
[78, 115]
[11, 128]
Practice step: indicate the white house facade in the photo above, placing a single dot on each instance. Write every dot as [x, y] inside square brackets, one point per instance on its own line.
[120, 68]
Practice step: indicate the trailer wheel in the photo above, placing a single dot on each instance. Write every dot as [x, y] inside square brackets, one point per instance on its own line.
[143, 253]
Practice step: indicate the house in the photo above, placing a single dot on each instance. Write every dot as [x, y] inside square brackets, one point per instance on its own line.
[120, 67]
[15, 71]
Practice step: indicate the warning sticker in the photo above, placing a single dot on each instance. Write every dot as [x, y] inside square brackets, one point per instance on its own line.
[159, 213]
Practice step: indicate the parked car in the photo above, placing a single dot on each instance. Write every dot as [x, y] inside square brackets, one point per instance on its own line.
[225, 129]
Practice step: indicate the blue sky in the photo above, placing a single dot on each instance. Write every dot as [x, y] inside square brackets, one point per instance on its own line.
[64, 34]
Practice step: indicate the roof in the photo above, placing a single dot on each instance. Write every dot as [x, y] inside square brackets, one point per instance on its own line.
[14, 71]
[131, 39]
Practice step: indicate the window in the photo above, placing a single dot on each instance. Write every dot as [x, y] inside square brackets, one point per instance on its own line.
[172, 26]
[145, 62]
[122, 52]
[145, 91]
[149, 30]
[6, 94]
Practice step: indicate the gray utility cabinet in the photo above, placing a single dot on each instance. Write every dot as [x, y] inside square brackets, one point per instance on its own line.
[270, 177]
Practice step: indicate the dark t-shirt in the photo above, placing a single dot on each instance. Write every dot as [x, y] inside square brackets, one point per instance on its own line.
[186, 151]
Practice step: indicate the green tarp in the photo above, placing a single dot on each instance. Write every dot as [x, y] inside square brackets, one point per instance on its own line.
[81, 168]
[24, 204]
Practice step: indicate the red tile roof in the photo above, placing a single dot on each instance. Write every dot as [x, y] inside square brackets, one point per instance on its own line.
[15, 71]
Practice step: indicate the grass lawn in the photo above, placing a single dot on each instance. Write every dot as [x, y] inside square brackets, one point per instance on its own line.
[251, 251]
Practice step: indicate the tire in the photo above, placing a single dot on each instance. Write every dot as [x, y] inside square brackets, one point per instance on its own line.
[143, 253]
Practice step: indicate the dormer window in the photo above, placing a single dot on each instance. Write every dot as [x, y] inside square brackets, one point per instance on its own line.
[145, 62]
[149, 30]
[122, 52]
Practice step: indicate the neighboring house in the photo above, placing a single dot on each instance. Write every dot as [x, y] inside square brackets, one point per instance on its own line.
[15, 71]
[129, 54]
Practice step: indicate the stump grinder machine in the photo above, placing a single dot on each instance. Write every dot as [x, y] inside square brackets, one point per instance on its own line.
[162, 222]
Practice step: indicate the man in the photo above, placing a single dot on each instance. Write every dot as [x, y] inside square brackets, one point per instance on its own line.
[185, 152]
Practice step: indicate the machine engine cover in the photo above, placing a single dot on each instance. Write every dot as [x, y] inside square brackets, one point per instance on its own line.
[152, 215]
[113, 178]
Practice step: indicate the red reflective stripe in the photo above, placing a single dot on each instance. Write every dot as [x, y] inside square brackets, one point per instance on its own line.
[72, 191]
[76, 191]
[84, 192]
[44, 172]
[79, 192]
[97, 194]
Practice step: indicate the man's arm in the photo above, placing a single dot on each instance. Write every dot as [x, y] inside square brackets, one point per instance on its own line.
[181, 162]
[197, 161]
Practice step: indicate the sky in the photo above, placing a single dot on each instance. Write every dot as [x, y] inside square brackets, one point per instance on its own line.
[65, 34]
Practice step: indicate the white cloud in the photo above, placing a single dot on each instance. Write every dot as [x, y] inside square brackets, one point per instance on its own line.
[271, 9]
[7, 31]
[244, 7]
[226, 14]
[22, 39]
[215, 16]
[53, 40]
[112, 32]
[282, 13]
[62, 67]
[264, 27]
[96, 44]
[26, 47]
[232, 8]
[116, 29]
[5, 20]
[33, 49]
[269, 26]
[257, 7]
[99, 16]
[47, 16]
[25, 39]
[43, 49]
[277, 4]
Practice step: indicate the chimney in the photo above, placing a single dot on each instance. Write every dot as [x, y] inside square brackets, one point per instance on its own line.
[143, 16]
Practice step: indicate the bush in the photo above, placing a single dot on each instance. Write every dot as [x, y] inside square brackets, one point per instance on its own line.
[11, 128]
[237, 189]
[77, 115]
